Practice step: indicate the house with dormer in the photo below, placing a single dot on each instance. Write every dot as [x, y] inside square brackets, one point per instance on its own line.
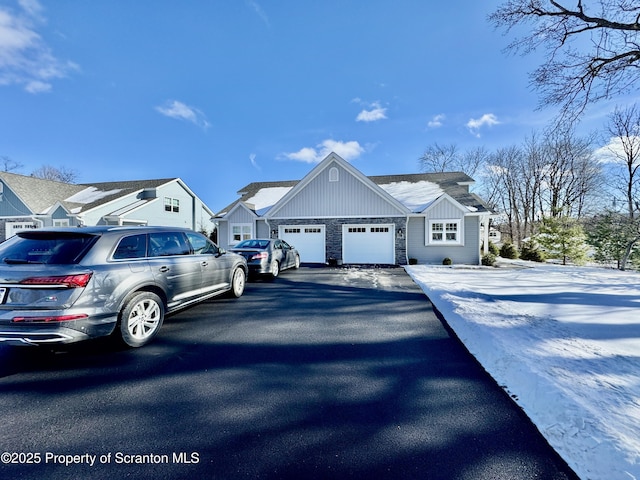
[28, 202]
[336, 214]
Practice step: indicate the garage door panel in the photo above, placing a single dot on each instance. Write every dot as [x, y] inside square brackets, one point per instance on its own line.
[368, 244]
[309, 240]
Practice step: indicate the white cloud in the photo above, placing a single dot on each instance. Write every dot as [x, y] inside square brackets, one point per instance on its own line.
[436, 121]
[252, 159]
[487, 120]
[180, 111]
[25, 58]
[259, 11]
[347, 150]
[376, 112]
[32, 7]
[614, 151]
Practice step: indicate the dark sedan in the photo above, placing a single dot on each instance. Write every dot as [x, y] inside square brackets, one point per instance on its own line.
[268, 256]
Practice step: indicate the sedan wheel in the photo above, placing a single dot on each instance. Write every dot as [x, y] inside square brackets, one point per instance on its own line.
[141, 318]
[297, 262]
[275, 268]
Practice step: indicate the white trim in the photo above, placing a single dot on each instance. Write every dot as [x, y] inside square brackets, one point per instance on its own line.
[459, 232]
[243, 232]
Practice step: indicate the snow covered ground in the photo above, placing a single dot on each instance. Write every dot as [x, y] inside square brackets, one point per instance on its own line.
[564, 342]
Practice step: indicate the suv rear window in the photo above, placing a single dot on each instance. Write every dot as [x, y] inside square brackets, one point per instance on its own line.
[133, 246]
[61, 248]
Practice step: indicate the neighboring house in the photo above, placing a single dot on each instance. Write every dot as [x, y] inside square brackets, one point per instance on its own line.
[30, 202]
[335, 214]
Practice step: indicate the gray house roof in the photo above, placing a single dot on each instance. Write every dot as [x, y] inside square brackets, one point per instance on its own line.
[39, 195]
[414, 191]
[97, 194]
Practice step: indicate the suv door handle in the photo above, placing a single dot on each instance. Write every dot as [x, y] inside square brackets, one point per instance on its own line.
[164, 269]
[204, 263]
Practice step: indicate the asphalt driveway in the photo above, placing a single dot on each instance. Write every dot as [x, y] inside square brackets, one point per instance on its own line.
[322, 373]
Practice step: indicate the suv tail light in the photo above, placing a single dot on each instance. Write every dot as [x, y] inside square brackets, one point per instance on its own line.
[49, 318]
[69, 281]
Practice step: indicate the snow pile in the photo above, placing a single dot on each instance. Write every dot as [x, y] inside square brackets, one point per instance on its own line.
[265, 198]
[565, 343]
[416, 196]
[90, 195]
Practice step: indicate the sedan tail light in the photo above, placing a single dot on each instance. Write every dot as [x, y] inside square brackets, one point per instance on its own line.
[69, 281]
[260, 256]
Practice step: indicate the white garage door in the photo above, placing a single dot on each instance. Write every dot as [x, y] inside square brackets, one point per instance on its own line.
[368, 244]
[309, 240]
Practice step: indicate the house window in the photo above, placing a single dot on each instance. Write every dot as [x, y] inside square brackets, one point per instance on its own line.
[171, 204]
[334, 174]
[64, 222]
[240, 232]
[444, 232]
[291, 230]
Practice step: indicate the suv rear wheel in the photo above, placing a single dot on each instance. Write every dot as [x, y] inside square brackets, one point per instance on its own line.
[238, 281]
[141, 318]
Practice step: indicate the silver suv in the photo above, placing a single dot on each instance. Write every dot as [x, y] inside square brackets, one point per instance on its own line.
[64, 285]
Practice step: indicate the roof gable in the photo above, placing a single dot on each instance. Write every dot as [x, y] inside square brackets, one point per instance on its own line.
[244, 207]
[445, 198]
[37, 194]
[354, 179]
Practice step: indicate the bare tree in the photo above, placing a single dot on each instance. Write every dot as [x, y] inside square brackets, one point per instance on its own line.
[61, 174]
[505, 175]
[624, 126]
[571, 175]
[447, 158]
[592, 49]
[543, 178]
[440, 158]
[7, 164]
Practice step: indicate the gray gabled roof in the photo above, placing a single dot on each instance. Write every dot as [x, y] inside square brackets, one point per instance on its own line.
[98, 194]
[39, 195]
[455, 184]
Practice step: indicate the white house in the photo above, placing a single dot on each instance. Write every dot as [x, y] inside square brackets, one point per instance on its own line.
[29, 202]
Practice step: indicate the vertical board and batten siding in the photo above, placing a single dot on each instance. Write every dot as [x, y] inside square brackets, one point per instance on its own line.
[348, 197]
[262, 230]
[444, 210]
[430, 254]
[10, 204]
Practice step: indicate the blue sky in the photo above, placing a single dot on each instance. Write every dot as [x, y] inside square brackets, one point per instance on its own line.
[222, 93]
